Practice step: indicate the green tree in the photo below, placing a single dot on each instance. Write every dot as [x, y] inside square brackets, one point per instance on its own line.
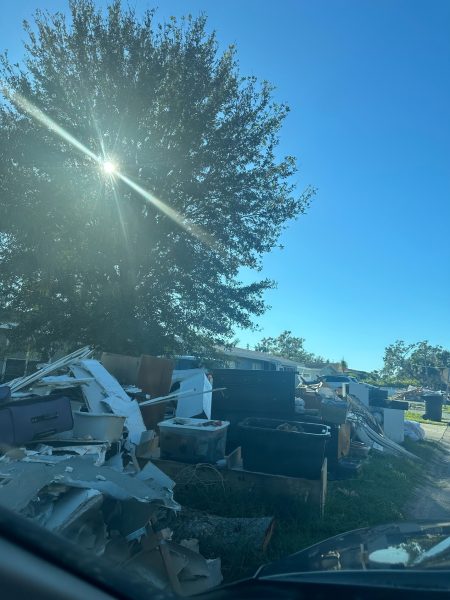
[289, 346]
[419, 363]
[85, 257]
[396, 359]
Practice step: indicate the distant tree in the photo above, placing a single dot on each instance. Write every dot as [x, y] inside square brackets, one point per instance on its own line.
[84, 257]
[289, 346]
[344, 365]
[396, 359]
[418, 363]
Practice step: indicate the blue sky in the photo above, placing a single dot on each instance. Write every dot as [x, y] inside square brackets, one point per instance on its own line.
[369, 90]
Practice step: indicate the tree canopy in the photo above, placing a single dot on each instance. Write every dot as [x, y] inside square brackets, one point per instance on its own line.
[290, 346]
[418, 363]
[148, 262]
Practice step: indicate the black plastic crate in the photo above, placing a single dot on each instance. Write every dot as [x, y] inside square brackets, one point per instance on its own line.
[377, 396]
[332, 445]
[291, 448]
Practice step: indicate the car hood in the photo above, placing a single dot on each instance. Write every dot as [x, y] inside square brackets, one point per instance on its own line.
[408, 545]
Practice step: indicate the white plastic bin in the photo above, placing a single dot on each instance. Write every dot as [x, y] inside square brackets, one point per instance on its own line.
[193, 440]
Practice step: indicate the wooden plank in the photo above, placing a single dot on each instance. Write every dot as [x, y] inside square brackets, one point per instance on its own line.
[277, 487]
[234, 459]
[155, 375]
[124, 368]
[344, 436]
[323, 487]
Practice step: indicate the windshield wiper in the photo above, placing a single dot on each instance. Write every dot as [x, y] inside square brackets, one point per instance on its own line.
[432, 552]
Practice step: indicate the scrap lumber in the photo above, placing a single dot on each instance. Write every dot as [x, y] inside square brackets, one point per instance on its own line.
[22, 382]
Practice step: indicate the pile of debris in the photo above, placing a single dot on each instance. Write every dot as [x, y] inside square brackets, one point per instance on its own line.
[417, 394]
[72, 446]
[375, 422]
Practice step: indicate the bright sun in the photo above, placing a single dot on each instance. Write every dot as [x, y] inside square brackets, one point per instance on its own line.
[109, 167]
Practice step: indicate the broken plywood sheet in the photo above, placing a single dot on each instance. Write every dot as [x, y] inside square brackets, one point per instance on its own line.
[150, 473]
[21, 481]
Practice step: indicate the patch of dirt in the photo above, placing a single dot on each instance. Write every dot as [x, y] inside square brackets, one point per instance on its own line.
[431, 499]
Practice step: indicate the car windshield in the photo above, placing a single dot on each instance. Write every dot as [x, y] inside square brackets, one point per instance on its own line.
[189, 389]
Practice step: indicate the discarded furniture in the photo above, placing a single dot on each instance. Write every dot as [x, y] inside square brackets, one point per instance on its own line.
[269, 394]
[282, 447]
[86, 483]
[394, 424]
[254, 392]
[23, 421]
[233, 476]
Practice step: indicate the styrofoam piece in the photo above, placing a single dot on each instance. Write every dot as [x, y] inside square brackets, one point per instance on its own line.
[193, 380]
[102, 426]
[359, 390]
[394, 424]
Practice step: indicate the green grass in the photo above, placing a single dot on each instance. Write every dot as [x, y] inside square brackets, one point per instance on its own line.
[379, 494]
[428, 450]
[418, 416]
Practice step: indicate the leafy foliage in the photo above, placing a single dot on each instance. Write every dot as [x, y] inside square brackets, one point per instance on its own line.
[417, 364]
[289, 346]
[84, 257]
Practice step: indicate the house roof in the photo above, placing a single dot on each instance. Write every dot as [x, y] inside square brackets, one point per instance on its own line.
[254, 355]
[357, 372]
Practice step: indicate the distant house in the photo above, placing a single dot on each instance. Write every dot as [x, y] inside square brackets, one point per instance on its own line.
[313, 373]
[357, 374]
[241, 358]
